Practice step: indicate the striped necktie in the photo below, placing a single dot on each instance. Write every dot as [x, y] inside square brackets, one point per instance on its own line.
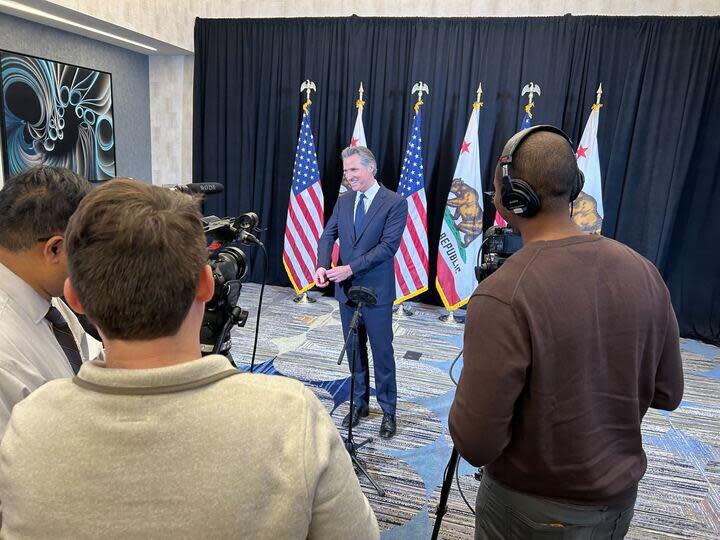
[65, 338]
[359, 213]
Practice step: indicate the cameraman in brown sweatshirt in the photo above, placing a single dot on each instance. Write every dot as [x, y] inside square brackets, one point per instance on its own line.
[566, 347]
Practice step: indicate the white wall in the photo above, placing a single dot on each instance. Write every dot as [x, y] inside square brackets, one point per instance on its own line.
[171, 106]
[172, 21]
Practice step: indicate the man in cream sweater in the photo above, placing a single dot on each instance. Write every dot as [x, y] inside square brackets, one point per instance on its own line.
[157, 442]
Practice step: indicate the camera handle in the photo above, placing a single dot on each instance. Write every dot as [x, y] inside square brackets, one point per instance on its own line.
[237, 316]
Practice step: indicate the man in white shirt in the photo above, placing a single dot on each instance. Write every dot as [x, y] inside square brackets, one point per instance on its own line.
[35, 206]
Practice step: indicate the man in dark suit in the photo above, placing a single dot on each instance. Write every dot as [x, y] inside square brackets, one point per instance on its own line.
[369, 221]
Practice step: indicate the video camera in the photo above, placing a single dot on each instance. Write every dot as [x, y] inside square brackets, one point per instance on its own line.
[500, 243]
[229, 266]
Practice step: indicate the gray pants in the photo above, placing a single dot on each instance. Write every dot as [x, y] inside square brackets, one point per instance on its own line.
[504, 514]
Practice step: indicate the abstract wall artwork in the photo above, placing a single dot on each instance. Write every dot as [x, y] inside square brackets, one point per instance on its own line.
[56, 114]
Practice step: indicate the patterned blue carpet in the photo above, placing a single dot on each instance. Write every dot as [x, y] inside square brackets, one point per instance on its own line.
[679, 495]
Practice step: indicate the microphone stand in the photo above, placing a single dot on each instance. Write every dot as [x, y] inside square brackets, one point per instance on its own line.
[350, 445]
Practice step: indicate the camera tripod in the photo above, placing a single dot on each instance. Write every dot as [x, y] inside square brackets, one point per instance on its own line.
[445, 492]
[450, 468]
[361, 296]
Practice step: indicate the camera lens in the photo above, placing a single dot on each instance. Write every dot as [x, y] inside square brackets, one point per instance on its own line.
[249, 220]
[231, 263]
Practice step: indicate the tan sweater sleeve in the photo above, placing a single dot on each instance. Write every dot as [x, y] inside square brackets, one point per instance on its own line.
[496, 358]
[339, 507]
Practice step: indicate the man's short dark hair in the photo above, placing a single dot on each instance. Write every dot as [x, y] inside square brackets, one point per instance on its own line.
[135, 254]
[37, 203]
[546, 161]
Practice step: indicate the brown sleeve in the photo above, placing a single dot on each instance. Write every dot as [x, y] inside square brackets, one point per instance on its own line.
[496, 358]
[669, 382]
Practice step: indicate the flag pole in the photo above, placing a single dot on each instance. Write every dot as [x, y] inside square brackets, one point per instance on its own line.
[450, 318]
[419, 87]
[587, 210]
[306, 87]
[359, 103]
[530, 89]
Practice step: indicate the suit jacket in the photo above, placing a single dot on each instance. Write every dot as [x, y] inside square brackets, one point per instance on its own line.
[370, 254]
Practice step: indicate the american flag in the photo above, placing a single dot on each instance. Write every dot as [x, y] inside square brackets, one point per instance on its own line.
[411, 259]
[305, 212]
[526, 121]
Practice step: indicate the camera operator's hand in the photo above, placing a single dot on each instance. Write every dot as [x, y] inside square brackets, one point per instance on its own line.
[320, 278]
[339, 273]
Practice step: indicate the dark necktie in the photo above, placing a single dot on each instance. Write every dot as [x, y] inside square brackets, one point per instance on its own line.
[359, 213]
[65, 338]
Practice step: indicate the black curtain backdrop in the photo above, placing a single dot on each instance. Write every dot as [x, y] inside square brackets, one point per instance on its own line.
[658, 142]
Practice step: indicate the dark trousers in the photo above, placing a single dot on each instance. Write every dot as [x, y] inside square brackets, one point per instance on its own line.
[375, 324]
[504, 514]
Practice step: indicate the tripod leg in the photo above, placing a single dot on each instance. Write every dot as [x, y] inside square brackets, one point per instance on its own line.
[363, 443]
[444, 492]
[360, 467]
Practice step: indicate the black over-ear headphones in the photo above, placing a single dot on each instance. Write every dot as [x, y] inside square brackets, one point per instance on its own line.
[517, 195]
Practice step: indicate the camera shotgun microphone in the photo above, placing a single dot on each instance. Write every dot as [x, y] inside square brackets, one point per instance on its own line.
[205, 188]
[247, 238]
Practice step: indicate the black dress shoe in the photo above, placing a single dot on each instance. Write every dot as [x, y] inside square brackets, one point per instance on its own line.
[388, 426]
[357, 413]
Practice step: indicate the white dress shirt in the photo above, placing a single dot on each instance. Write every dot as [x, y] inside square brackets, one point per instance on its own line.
[369, 196]
[30, 355]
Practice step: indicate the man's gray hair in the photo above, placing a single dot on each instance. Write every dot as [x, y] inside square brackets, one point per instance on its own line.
[366, 156]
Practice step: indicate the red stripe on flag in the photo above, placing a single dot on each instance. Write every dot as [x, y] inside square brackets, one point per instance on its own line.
[291, 268]
[336, 252]
[308, 218]
[417, 201]
[401, 281]
[301, 232]
[410, 266]
[417, 243]
[313, 191]
[303, 267]
[446, 279]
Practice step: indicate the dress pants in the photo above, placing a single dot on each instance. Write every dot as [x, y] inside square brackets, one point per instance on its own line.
[505, 514]
[375, 324]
